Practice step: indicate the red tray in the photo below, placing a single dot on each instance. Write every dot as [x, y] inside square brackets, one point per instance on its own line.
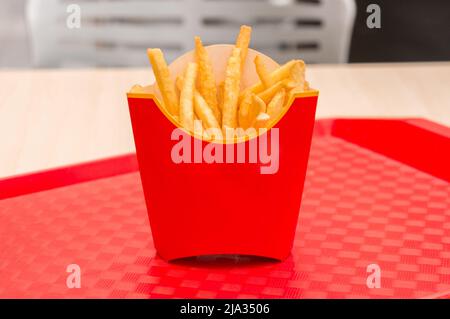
[377, 191]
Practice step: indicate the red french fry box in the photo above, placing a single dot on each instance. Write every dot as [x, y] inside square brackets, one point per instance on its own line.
[238, 205]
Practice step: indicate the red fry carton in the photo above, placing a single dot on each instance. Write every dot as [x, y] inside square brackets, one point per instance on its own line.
[207, 198]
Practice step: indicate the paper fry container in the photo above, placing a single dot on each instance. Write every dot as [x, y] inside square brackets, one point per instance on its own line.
[248, 208]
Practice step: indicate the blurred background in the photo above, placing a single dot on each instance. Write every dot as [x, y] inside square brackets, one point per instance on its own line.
[65, 65]
[114, 33]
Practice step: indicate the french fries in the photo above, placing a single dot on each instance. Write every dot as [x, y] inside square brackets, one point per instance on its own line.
[296, 77]
[243, 41]
[269, 93]
[261, 120]
[251, 105]
[231, 90]
[244, 108]
[194, 97]
[206, 115]
[179, 82]
[187, 97]
[306, 87]
[276, 104]
[206, 82]
[279, 74]
[165, 84]
[220, 94]
[258, 106]
[202, 111]
[263, 73]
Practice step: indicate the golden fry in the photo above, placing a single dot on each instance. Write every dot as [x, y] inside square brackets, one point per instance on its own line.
[187, 97]
[306, 86]
[179, 82]
[294, 90]
[206, 82]
[137, 89]
[263, 74]
[262, 120]
[269, 93]
[231, 90]
[198, 127]
[257, 106]
[278, 75]
[260, 104]
[296, 77]
[243, 41]
[199, 105]
[290, 97]
[297, 73]
[165, 84]
[204, 112]
[220, 94]
[244, 108]
[276, 104]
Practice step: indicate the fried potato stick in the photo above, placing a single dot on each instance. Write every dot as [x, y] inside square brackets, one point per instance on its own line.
[231, 90]
[220, 95]
[306, 86]
[257, 106]
[269, 93]
[262, 72]
[179, 81]
[165, 83]
[277, 75]
[199, 127]
[206, 82]
[202, 111]
[205, 114]
[262, 120]
[244, 108]
[296, 77]
[276, 104]
[187, 97]
[243, 41]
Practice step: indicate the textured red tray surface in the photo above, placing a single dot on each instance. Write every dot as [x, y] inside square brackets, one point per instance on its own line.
[359, 208]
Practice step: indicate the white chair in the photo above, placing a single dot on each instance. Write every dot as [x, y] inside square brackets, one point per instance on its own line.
[116, 33]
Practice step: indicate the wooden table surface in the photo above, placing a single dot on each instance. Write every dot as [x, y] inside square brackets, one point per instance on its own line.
[50, 118]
